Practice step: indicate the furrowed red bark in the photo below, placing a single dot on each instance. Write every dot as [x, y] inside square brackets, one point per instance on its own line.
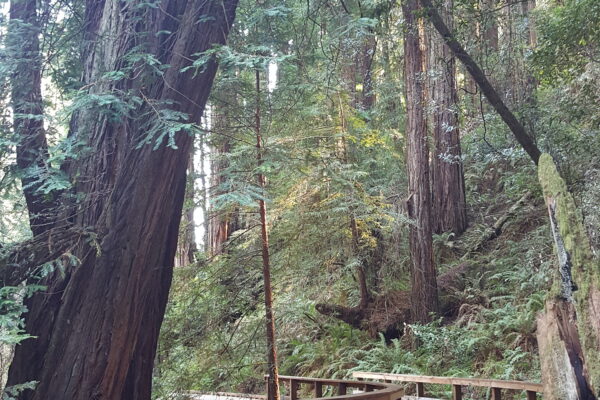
[97, 326]
[424, 295]
[479, 76]
[448, 182]
[28, 109]
[273, 373]
[221, 223]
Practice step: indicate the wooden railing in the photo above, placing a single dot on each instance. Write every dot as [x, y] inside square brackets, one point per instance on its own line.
[530, 388]
[341, 389]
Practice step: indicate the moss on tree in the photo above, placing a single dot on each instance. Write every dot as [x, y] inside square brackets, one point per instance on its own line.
[584, 268]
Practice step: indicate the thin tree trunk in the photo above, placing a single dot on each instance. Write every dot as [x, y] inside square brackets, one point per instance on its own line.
[273, 374]
[97, 326]
[361, 275]
[365, 295]
[186, 246]
[488, 90]
[448, 182]
[204, 195]
[424, 295]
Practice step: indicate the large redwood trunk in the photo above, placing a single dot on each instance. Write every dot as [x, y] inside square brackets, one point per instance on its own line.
[448, 182]
[424, 297]
[97, 326]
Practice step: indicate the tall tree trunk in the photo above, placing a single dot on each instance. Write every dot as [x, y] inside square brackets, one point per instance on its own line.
[26, 99]
[490, 24]
[363, 287]
[448, 182]
[361, 270]
[273, 374]
[424, 295]
[221, 222]
[358, 72]
[366, 58]
[528, 10]
[487, 89]
[204, 195]
[357, 68]
[186, 245]
[97, 326]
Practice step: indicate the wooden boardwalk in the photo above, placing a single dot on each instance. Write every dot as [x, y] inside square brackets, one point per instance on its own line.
[496, 386]
[377, 386]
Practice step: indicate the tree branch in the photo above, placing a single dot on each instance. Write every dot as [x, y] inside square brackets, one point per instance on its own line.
[486, 87]
[23, 261]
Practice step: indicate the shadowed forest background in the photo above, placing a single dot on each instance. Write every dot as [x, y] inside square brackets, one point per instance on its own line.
[412, 227]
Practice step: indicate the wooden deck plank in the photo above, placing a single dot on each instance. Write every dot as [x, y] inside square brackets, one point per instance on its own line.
[491, 383]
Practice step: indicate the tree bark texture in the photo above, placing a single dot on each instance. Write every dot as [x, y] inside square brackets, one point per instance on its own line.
[186, 245]
[448, 182]
[97, 326]
[366, 57]
[482, 81]
[221, 222]
[424, 297]
[490, 24]
[563, 370]
[28, 111]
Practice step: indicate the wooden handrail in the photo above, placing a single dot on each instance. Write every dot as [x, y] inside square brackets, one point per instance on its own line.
[457, 383]
[371, 390]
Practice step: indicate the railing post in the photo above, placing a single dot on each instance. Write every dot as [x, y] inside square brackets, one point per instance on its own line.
[420, 389]
[293, 389]
[318, 389]
[496, 395]
[267, 386]
[531, 395]
[456, 392]
[342, 388]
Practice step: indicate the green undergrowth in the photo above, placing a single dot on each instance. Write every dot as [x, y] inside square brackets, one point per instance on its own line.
[213, 338]
[492, 335]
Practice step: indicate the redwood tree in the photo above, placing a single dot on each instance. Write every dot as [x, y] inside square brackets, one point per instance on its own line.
[221, 223]
[96, 326]
[26, 101]
[424, 296]
[448, 182]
